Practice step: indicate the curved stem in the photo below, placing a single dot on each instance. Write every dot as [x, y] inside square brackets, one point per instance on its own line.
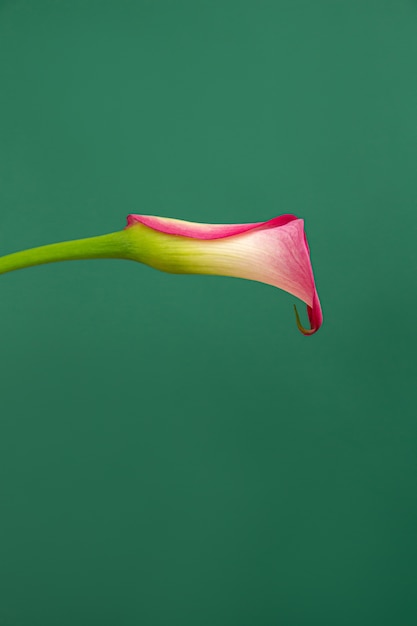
[112, 246]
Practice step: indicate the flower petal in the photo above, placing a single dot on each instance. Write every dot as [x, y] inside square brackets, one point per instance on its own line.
[274, 252]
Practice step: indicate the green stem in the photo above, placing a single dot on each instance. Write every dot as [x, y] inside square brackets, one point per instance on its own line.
[112, 246]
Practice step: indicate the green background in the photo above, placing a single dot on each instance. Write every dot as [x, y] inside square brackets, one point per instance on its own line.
[172, 450]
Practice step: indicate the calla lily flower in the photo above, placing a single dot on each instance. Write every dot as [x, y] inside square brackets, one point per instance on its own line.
[274, 252]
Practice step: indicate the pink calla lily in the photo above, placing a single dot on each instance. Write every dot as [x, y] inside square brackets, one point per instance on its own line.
[275, 252]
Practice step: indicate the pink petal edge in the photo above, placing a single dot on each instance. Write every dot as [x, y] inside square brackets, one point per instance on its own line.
[197, 230]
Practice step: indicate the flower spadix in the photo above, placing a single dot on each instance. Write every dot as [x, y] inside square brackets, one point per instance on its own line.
[274, 252]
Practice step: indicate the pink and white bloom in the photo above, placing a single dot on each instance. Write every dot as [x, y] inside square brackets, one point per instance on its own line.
[274, 252]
